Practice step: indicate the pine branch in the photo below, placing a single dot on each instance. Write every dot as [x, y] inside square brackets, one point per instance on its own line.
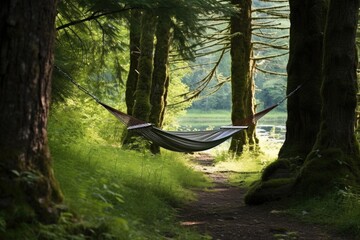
[266, 24]
[269, 57]
[270, 37]
[275, 1]
[266, 18]
[264, 9]
[270, 72]
[202, 84]
[193, 66]
[273, 28]
[93, 16]
[278, 14]
[282, 47]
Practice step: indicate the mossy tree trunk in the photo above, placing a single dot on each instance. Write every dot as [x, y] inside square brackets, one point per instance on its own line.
[160, 74]
[241, 74]
[132, 78]
[28, 188]
[335, 157]
[250, 103]
[307, 18]
[142, 105]
[333, 160]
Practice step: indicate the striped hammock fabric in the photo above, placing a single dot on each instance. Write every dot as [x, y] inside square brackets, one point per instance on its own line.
[188, 141]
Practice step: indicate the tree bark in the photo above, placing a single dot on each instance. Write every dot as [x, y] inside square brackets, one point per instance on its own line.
[28, 187]
[241, 75]
[307, 20]
[142, 106]
[132, 79]
[160, 74]
[335, 159]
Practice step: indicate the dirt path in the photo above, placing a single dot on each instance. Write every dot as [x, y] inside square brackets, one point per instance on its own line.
[221, 213]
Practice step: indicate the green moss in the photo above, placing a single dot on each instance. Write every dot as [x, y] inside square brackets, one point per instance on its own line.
[269, 171]
[264, 191]
[325, 170]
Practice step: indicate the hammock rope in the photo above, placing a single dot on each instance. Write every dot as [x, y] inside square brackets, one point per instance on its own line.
[180, 141]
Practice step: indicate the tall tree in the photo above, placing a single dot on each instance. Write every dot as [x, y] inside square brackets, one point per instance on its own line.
[241, 74]
[27, 183]
[304, 68]
[133, 73]
[335, 158]
[160, 77]
[142, 105]
[307, 20]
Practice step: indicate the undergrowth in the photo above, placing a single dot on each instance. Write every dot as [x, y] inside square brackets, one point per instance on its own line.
[131, 193]
[110, 193]
[339, 210]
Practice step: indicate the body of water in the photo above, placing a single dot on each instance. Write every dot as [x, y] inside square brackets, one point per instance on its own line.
[270, 127]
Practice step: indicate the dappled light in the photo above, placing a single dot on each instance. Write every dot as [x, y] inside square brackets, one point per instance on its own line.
[179, 120]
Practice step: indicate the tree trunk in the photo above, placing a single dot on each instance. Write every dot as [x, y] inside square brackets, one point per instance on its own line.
[160, 74]
[142, 106]
[143, 89]
[250, 103]
[241, 75]
[132, 79]
[27, 184]
[307, 20]
[335, 159]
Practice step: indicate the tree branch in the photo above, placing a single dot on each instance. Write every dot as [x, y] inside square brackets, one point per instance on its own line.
[270, 72]
[269, 57]
[93, 16]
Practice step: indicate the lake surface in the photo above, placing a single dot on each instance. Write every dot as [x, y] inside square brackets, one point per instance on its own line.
[271, 126]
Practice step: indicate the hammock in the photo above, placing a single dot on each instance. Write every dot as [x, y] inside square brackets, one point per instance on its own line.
[185, 141]
[180, 141]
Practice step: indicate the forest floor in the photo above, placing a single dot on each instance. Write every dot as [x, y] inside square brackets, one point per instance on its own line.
[220, 212]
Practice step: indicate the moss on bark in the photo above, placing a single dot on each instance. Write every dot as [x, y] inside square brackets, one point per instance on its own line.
[160, 74]
[307, 18]
[132, 78]
[28, 189]
[242, 85]
[142, 106]
[270, 190]
[334, 162]
[327, 170]
[335, 159]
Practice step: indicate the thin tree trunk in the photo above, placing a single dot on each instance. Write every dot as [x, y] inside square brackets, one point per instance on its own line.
[142, 104]
[241, 74]
[160, 74]
[250, 103]
[132, 79]
[27, 181]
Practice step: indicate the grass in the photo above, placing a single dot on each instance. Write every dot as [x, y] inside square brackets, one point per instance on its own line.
[339, 211]
[110, 193]
[133, 194]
